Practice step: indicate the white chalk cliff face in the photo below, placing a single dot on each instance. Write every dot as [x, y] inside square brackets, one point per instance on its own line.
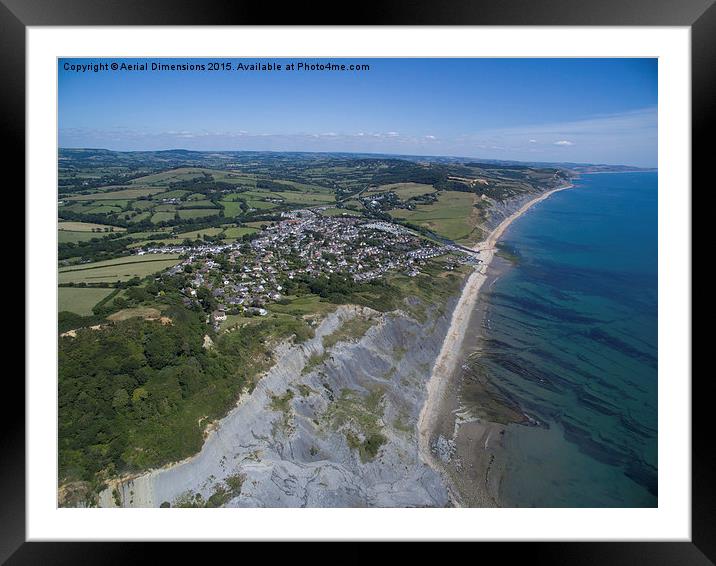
[325, 427]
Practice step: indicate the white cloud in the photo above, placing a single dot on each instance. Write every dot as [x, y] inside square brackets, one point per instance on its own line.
[628, 138]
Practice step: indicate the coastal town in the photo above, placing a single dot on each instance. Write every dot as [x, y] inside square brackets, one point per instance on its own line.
[401, 283]
[246, 275]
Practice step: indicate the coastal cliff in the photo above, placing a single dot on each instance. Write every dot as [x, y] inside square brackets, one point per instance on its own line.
[331, 424]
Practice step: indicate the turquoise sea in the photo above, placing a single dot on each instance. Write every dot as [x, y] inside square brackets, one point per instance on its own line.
[570, 337]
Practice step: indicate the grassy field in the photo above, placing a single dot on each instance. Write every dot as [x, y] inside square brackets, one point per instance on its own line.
[452, 216]
[238, 231]
[136, 312]
[197, 213]
[105, 209]
[234, 177]
[233, 320]
[86, 227]
[352, 329]
[79, 300]
[231, 208]
[162, 217]
[171, 176]
[261, 205]
[304, 305]
[405, 190]
[232, 197]
[139, 217]
[188, 173]
[172, 194]
[119, 193]
[353, 203]
[199, 203]
[291, 197]
[305, 199]
[304, 187]
[193, 235]
[165, 208]
[256, 194]
[64, 236]
[121, 203]
[114, 270]
[79, 206]
[159, 232]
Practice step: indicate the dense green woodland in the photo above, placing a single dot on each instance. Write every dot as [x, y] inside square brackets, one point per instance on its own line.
[132, 395]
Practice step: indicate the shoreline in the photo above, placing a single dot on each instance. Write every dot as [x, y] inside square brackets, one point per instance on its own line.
[446, 364]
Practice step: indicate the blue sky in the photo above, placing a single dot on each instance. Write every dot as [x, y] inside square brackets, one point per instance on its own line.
[581, 110]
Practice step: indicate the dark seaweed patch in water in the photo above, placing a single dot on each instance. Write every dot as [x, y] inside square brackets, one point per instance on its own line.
[490, 345]
[489, 401]
[634, 467]
[507, 301]
[637, 428]
[645, 475]
[508, 253]
[587, 444]
[542, 294]
[615, 343]
[588, 377]
[538, 309]
[597, 404]
[561, 246]
[590, 280]
[530, 373]
[595, 377]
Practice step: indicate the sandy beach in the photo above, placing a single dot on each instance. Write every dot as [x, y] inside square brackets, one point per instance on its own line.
[451, 352]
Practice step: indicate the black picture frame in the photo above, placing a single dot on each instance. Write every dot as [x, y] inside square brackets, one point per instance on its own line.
[699, 15]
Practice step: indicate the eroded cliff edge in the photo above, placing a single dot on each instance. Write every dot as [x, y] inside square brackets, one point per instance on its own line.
[331, 424]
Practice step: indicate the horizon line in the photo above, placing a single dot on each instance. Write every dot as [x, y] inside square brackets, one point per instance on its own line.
[355, 153]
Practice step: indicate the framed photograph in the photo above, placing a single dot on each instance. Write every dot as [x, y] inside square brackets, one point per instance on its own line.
[421, 276]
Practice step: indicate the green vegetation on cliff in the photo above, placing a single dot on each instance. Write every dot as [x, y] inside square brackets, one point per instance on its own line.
[359, 417]
[138, 394]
